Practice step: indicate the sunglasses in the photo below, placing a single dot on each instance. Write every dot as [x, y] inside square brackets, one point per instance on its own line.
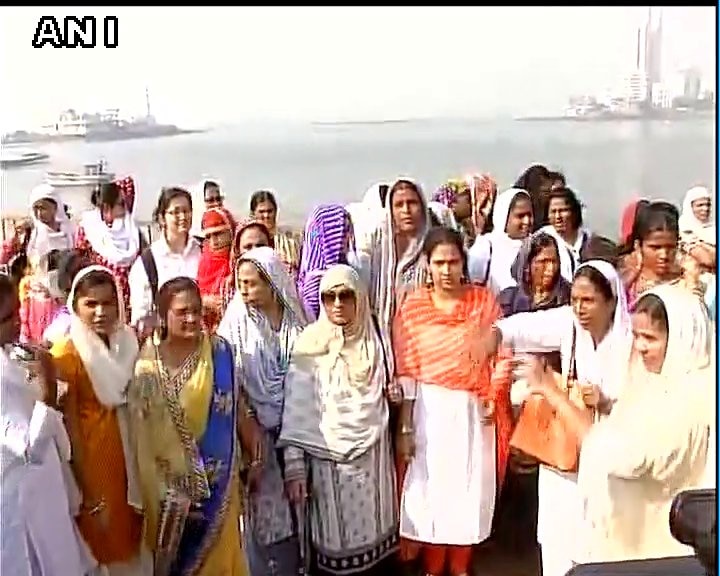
[341, 296]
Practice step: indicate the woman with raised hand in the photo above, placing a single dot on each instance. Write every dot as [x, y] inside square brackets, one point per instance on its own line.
[593, 336]
[39, 535]
[627, 480]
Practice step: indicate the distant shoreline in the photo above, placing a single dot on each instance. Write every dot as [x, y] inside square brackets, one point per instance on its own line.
[160, 131]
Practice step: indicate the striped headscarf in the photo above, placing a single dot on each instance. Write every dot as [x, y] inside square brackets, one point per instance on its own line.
[482, 189]
[323, 246]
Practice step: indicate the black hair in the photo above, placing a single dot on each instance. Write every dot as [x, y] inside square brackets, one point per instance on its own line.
[167, 292]
[70, 262]
[167, 195]
[8, 287]
[443, 235]
[108, 194]
[532, 179]
[53, 259]
[383, 189]
[434, 220]
[654, 307]
[539, 242]
[52, 201]
[399, 183]
[572, 201]
[209, 185]
[93, 280]
[262, 196]
[557, 177]
[600, 248]
[595, 277]
[658, 216]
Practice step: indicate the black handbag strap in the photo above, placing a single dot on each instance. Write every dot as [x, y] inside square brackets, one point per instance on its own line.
[148, 261]
[386, 365]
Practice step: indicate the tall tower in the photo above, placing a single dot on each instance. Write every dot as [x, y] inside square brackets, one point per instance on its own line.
[147, 102]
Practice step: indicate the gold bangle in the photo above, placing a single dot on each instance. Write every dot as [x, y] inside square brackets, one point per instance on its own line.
[406, 430]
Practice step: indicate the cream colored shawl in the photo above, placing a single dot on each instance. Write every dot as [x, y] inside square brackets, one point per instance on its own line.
[110, 369]
[653, 445]
[334, 403]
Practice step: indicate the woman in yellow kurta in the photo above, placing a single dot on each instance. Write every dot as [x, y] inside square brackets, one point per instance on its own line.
[96, 361]
[183, 405]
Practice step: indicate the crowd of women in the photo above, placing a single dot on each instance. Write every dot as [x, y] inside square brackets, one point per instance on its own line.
[233, 399]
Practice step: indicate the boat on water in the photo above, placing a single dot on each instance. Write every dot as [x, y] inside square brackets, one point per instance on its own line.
[76, 188]
[18, 157]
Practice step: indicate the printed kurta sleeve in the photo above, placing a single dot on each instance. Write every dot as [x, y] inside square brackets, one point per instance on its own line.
[540, 331]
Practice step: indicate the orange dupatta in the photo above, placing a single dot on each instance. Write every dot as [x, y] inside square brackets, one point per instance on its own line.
[434, 346]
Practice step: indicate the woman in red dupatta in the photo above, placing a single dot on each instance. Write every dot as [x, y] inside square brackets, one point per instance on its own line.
[455, 420]
[215, 268]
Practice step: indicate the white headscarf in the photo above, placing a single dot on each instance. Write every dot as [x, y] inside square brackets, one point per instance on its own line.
[118, 243]
[689, 223]
[110, 369]
[589, 359]
[334, 403]
[44, 239]
[492, 254]
[262, 354]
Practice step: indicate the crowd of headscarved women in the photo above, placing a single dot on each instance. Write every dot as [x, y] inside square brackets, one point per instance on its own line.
[232, 399]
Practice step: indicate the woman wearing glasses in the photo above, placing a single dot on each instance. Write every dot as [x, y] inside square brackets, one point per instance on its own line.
[174, 254]
[336, 417]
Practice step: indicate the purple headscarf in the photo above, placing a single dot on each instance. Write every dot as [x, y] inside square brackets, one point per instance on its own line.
[323, 244]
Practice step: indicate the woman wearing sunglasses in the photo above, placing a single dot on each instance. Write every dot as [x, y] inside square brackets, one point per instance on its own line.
[336, 419]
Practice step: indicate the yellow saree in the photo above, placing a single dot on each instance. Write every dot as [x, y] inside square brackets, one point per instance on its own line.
[184, 431]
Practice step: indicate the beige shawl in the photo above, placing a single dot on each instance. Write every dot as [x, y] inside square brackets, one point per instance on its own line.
[653, 445]
[334, 403]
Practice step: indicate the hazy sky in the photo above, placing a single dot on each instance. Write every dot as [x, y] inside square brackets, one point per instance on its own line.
[210, 65]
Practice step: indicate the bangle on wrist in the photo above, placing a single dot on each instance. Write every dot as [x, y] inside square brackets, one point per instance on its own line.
[405, 429]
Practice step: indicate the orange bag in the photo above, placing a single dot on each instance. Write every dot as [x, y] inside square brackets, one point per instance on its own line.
[541, 434]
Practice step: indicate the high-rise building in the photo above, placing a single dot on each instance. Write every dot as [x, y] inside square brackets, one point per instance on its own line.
[648, 58]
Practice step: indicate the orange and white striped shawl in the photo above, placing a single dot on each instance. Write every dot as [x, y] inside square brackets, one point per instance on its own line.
[436, 347]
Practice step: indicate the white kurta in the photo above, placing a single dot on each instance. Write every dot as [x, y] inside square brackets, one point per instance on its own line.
[560, 504]
[169, 265]
[449, 489]
[39, 536]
